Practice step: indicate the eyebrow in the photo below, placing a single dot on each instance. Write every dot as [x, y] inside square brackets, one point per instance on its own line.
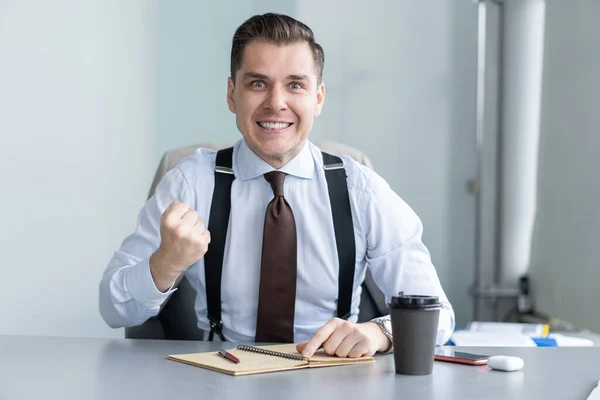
[298, 77]
[255, 75]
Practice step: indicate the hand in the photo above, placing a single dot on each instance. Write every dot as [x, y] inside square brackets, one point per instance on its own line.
[346, 339]
[184, 240]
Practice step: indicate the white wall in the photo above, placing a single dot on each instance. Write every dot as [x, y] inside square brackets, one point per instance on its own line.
[401, 84]
[565, 262]
[77, 135]
[92, 93]
[193, 46]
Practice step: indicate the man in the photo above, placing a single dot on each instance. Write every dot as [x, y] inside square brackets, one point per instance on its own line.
[275, 91]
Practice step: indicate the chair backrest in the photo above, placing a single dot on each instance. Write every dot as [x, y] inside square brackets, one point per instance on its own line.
[177, 319]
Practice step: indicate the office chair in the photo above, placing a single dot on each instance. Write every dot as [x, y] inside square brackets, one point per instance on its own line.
[177, 319]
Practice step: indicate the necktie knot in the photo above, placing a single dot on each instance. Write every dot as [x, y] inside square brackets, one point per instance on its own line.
[276, 178]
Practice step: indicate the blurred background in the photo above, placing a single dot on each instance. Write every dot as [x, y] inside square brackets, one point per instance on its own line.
[483, 116]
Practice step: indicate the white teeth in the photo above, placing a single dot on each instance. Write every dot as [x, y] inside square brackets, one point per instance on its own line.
[274, 125]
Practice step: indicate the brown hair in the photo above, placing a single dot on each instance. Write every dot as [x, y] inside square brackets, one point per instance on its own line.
[278, 29]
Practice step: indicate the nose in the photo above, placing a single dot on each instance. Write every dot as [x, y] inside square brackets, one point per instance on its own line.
[276, 99]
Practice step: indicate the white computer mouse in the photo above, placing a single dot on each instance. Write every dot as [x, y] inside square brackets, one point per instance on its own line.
[505, 363]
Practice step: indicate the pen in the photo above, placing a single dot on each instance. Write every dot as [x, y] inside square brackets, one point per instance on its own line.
[228, 356]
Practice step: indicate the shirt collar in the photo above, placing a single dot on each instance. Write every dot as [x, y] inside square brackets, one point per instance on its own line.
[249, 166]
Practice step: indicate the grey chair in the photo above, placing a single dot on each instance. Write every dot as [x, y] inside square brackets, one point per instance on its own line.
[177, 319]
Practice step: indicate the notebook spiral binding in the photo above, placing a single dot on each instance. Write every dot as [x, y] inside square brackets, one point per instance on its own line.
[253, 349]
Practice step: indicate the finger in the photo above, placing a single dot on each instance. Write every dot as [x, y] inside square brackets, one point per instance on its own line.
[345, 346]
[189, 219]
[200, 233]
[334, 341]
[173, 206]
[199, 227]
[360, 349]
[300, 346]
[170, 206]
[201, 240]
[319, 338]
[174, 212]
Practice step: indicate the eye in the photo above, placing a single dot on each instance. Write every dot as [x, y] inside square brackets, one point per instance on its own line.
[295, 86]
[258, 84]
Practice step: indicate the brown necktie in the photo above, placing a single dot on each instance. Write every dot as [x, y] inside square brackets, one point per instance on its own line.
[277, 291]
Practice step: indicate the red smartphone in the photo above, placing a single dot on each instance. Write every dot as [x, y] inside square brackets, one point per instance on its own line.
[449, 355]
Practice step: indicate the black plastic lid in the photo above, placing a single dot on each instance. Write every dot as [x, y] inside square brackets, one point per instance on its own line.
[414, 301]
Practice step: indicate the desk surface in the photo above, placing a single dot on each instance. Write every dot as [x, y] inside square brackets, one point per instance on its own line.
[73, 368]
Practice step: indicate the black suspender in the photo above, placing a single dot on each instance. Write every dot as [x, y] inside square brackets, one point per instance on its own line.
[219, 222]
[344, 231]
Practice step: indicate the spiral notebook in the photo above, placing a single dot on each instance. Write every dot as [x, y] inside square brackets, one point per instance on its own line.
[260, 359]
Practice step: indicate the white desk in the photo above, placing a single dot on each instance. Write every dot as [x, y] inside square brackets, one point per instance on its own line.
[70, 368]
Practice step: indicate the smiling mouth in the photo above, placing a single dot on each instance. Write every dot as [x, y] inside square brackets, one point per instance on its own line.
[274, 126]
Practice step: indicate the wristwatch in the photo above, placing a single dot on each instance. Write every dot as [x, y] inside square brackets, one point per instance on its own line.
[385, 324]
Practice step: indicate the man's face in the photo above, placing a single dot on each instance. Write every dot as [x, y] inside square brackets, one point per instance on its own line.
[275, 99]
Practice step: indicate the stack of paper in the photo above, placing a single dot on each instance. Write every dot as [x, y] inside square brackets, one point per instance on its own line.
[513, 335]
[569, 341]
[491, 339]
[510, 328]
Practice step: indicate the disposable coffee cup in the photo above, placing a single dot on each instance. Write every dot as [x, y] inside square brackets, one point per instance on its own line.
[414, 329]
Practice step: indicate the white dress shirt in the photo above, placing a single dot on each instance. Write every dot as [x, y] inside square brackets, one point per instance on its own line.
[386, 230]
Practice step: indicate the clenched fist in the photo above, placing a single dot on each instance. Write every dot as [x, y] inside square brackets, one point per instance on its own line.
[184, 240]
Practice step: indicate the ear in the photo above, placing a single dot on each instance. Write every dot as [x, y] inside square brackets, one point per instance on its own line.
[320, 99]
[231, 95]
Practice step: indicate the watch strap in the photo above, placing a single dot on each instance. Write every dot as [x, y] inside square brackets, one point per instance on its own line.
[385, 324]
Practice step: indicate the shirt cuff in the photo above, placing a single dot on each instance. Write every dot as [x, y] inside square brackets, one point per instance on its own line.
[141, 286]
